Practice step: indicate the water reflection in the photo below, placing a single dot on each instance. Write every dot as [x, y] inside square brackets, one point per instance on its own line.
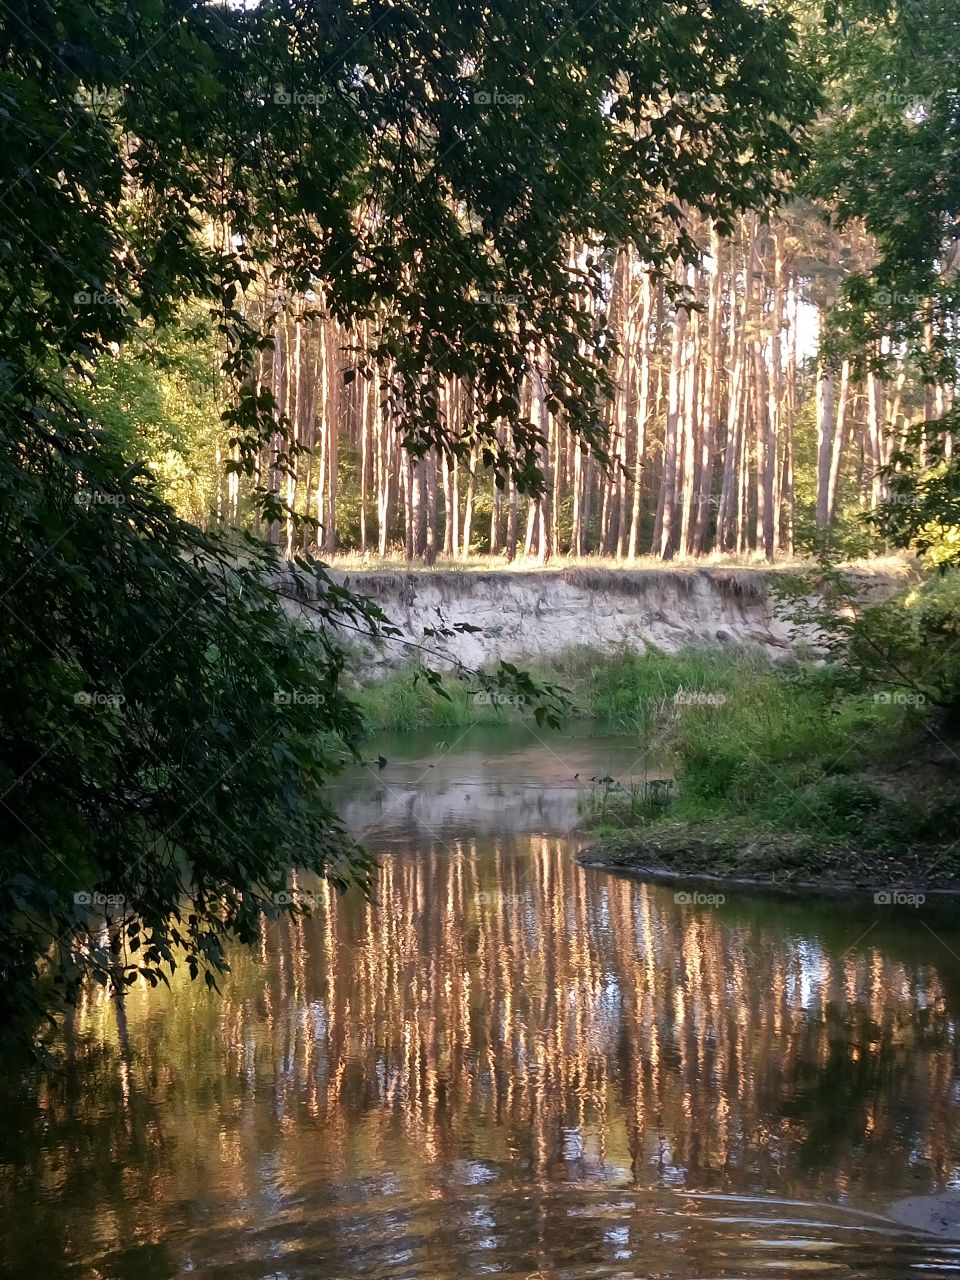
[486, 781]
[507, 1065]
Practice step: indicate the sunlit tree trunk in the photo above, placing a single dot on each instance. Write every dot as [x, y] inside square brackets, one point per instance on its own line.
[447, 478]
[544, 420]
[430, 514]
[643, 411]
[711, 379]
[874, 437]
[826, 419]
[294, 408]
[728, 532]
[468, 506]
[409, 541]
[364, 459]
[664, 536]
[771, 440]
[332, 418]
[837, 444]
[687, 479]
[789, 419]
[511, 546]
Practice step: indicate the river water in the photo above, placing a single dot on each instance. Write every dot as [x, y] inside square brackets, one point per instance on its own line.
[508, 1066]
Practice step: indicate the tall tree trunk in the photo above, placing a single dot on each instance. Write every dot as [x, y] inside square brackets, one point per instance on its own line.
[689, 456]
[468, 508]
[643, 411]
[364, 459]
[295, 407]
[826, 420]
[430, 523]
[544, 423]
[409, 537]
[333, 431]
[771, 443]
[418, 506]
[837, 444]
[874, 437]
[711, 378]
[789, 418]
[759, 395]
[728, 533]
[447, 475]
[496, 509]
[664, 537]
[511, 519]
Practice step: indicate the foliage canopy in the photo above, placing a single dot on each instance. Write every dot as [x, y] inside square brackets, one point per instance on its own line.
[165, 729]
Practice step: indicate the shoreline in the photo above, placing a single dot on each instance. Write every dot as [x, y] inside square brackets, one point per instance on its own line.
[748, 856]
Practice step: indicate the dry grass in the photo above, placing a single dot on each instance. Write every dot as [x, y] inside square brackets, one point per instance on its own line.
[354, 562]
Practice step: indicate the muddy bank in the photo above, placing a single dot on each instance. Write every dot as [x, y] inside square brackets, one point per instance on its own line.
[543, 613]
[742, 853]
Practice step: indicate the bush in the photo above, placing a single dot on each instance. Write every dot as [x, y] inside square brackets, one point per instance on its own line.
[165, 729]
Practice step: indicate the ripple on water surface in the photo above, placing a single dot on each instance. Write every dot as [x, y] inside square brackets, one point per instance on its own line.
[507, 1066]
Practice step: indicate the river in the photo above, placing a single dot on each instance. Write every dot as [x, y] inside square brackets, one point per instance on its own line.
[507, 1066]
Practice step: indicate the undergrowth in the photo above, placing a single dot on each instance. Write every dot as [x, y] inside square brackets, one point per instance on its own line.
[741, 738]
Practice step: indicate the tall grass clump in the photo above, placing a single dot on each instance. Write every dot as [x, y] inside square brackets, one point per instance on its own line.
[791, 751]
[631, 691]
[406, 700]
[624, 690]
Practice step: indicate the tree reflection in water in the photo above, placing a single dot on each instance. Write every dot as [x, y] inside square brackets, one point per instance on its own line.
[505, 1062]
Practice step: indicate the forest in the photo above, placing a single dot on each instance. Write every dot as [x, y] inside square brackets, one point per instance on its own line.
[761, 382]
[739, 422]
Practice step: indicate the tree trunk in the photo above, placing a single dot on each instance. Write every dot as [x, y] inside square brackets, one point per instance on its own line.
[771, 443]
[643, 411]
[468, 509]
[728, 532]
[711, 378]
[664, 537]
[430, 523]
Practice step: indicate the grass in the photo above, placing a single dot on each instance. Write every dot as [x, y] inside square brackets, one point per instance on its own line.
[404, 700]
[775, 771]
[355, 562]
[780, 771]
[610, 805]
[623, 690]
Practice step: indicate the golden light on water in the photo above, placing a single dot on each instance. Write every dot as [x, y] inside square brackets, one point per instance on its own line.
[501, 1029]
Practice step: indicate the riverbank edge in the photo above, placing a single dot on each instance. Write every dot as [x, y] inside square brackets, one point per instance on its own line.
[745, 855]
